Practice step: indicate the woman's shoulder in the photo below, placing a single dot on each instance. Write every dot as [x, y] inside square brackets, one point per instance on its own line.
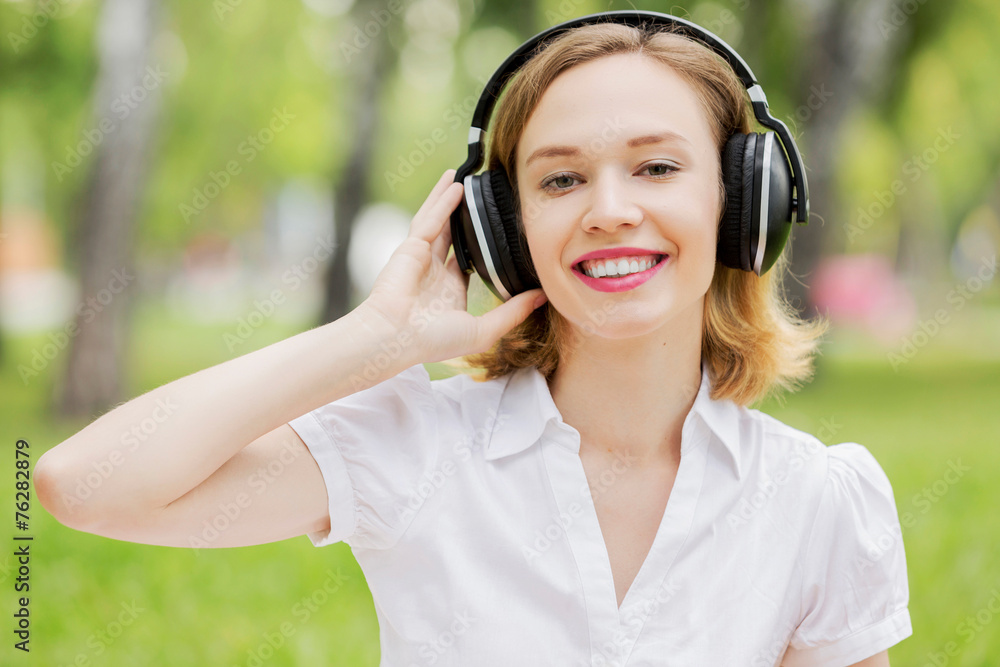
[458, 388]
[847, 470]
[467, 397]
[772, 443]
[463, 385]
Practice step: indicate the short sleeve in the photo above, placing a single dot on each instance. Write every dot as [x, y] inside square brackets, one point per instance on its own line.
[373, 447]
[855, 592]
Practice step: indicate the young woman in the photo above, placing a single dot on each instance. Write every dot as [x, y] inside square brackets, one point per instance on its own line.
[601, 495]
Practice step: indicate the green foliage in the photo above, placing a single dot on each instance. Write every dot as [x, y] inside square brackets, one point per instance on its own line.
[231, 64]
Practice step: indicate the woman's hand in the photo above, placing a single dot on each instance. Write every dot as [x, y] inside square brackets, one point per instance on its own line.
[421, 293]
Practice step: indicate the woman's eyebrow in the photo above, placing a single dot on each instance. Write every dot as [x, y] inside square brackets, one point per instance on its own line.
[571, 151]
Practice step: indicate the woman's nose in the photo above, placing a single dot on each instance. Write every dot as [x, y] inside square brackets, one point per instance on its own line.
[611, 205]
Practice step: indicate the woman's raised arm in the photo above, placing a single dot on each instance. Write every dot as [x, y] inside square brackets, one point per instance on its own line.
[169, 466]
[198, 449]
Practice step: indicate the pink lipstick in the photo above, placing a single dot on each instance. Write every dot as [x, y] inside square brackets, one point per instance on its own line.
[623, 283]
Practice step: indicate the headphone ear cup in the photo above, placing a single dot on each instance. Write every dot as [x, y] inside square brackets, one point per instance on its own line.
[512, 260]
[507, 268]
[733, 249]
[776, 209]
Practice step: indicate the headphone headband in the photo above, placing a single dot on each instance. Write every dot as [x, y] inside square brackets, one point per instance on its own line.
[491, 93]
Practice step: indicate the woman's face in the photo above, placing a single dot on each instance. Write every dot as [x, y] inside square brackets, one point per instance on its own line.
[619, 153]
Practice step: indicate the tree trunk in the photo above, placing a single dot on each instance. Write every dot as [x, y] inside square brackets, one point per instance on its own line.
[850, 60]
[351, 193]
[127, 99]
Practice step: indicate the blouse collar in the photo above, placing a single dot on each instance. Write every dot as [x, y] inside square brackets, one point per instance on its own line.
[526, 407]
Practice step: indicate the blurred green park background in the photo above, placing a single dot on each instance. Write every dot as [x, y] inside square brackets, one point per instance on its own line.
[169, 168]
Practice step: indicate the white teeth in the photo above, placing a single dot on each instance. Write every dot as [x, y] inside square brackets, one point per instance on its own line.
[622, 267]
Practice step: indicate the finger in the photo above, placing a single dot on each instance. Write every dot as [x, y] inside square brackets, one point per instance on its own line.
[507, 315]
[442, 243]
[420, 225]
[453, 267]
[428, 226]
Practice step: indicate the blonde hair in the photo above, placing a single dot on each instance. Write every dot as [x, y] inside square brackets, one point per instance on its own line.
[753, 341]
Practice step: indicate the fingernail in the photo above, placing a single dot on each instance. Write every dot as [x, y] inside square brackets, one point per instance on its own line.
[539, 300]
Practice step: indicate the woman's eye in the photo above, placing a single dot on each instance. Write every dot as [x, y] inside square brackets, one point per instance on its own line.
[560, 181]
[660, 169]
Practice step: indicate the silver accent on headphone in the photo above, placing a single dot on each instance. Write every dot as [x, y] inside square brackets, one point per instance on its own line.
[477, 224]
[757, 94]
[765, 191]
[475, 134]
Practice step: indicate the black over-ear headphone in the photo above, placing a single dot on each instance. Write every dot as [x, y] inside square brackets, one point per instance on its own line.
[758, 178]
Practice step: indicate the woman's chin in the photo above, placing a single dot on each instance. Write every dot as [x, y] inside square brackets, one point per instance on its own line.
[619, 324]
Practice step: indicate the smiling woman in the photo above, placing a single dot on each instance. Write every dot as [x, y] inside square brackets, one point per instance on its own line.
[601, 493]
[616, 160]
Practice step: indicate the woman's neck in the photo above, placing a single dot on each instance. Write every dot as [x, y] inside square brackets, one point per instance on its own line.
[629, 397]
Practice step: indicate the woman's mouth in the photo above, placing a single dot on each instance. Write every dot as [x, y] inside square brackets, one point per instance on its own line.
[619, 274]
[618, 267]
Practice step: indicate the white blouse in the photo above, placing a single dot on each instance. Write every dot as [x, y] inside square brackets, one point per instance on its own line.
[467, 507]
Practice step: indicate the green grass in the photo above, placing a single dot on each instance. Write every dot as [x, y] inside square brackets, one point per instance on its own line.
[213, 607]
